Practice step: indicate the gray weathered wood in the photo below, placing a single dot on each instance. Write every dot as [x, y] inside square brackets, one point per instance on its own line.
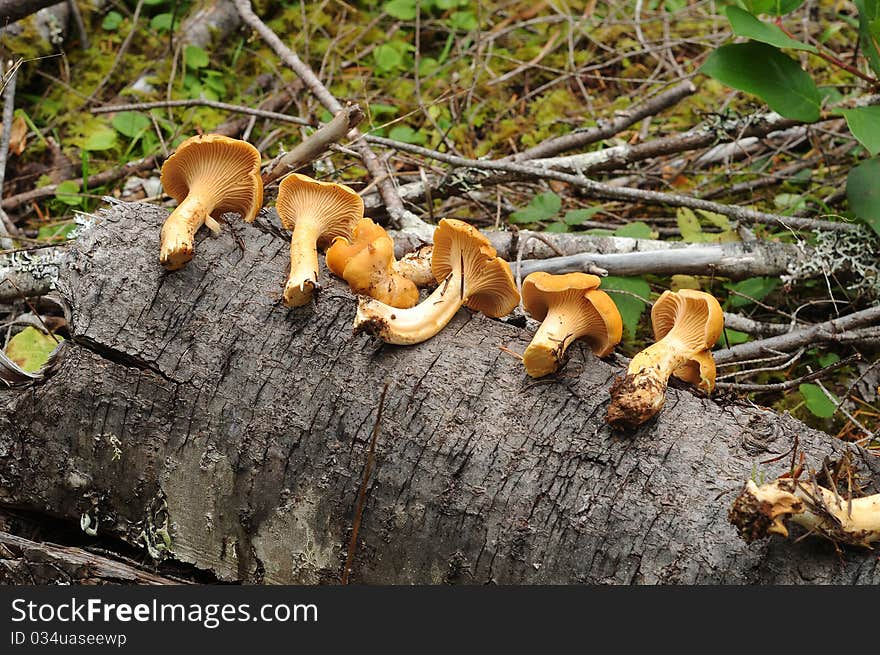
[249, 424]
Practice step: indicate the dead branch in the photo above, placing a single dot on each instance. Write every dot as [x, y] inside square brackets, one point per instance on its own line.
[316, 144]
[200, 102]
[13, 10]
[829, 331]
[400, 216]
[607, 129]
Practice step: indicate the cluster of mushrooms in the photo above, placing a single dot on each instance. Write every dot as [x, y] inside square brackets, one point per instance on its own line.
[211, 174]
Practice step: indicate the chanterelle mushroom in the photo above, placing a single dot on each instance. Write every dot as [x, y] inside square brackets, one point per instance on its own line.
[316, 212]
[760, 511]
[686, 324]
[366, 262]
[208, 175]
[570, 307]
[469, 273]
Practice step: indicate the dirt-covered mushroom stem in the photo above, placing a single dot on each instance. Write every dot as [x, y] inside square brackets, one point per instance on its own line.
[760, 511]
[686, 325]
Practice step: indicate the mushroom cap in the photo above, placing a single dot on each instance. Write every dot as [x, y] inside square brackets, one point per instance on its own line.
[699, 371]
[212, 164]
[592, 315]
[489, 284]
[366, 263]
[695, 317]
[342, 251]
[541, 290]
[336, 207]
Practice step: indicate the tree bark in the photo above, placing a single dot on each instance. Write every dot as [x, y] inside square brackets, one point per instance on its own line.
[195, 401]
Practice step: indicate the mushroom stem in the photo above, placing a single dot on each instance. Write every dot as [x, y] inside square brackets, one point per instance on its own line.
[303, 276]
[759, 511]
[642, 393]
[408, 326]
[179, 229]
[545, 352]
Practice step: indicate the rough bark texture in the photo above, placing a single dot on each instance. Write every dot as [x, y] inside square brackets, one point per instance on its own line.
[248, 425]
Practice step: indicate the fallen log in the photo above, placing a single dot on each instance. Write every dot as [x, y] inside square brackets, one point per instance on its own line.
[193, 406]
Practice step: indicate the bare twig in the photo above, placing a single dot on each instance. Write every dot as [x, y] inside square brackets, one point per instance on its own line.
[84, 42]
[788, 384]
[829, 331]
[9, 228]
[119, 54]
[608, 129]
[199, 102]
[400, 216]
[316, 144]
[609, 192]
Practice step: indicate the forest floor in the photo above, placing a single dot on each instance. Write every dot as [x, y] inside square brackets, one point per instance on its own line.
[482, 81]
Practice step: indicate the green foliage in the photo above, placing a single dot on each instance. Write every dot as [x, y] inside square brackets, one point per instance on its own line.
[864, 123]
[863, 192]
[774, 7]
[541, 208]
[730, 337]
[112, 21]
[629, 306]
[130, 123]
[636, 230]
[745, 24]
[68, 193]
[692, 230]
[817, 401]
[764, 71]
[754, 287]
[195, 57]
[30, 349]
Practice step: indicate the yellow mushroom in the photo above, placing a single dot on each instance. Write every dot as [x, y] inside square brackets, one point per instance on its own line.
[469, 273]
[208, 175]
[366, 262]
[759, 511]
[569, 307]
[686, 324]
[317, 213]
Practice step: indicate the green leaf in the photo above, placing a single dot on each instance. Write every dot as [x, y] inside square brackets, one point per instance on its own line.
[863, 192]
[630, 308]
[763, 70]
[754, 287]
[56, 232]
[130, 123]
[30, 349]
[68, 193]
[636, 230]
[827, 359]
[400, 9]
[816, 401]
[463, 20]
[195, 57]
[377, 109]
[542, 207]
[734, 337]
[744, 24]
[557, 227]
[111, 21]
[161, 22]
[407, 135]
[868, 11]
[774, 7]
[689, 225]
[387, 57]
[864, 123]
[102, 138]
[579, 216]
